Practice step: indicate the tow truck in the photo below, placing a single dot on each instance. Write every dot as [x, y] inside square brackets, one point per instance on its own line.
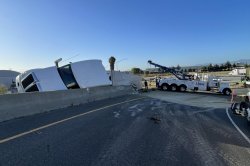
[183, 82]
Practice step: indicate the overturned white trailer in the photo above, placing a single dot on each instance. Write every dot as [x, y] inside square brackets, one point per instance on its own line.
[82, 74]
[127, 78]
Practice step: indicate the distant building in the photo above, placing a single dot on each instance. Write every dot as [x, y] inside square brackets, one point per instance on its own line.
[240, 64]
[248, 72]
[7, 77]
[238, 71]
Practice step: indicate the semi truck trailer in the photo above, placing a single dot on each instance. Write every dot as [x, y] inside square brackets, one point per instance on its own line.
[82, 74]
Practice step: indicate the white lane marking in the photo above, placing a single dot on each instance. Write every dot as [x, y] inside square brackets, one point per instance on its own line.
[239, 130]
[64, 120]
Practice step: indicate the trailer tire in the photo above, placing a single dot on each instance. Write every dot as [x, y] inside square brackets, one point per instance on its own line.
[183, 88]
[164, 87]
[227, 91]
[173, 87]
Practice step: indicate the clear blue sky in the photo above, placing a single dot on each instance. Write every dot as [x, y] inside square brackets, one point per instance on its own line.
[33, 33]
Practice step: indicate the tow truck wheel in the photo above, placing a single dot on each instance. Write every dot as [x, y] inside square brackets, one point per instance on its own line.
[227, 91]
[173, 87]
[183, 88]
[164, 87]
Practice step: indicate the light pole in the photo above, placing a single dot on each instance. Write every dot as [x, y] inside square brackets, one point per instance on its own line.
[57, 61]
[119, 62]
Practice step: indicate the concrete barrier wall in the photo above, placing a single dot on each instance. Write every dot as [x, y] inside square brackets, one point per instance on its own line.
[23, 104]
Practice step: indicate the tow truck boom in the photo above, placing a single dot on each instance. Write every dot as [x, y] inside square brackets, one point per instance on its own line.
[178, 75]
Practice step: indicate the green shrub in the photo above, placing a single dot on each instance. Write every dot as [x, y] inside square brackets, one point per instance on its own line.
[3, 90]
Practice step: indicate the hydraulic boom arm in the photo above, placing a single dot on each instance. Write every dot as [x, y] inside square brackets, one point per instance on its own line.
[178, 75]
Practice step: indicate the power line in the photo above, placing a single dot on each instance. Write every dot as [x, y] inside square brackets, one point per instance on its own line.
[71, 58]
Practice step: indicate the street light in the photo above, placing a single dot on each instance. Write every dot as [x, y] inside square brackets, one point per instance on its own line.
[119, 62]
[57, 61]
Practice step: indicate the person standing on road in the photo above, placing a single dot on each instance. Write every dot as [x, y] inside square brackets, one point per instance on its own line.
[156, 82]
[234, 95]
[146, 84]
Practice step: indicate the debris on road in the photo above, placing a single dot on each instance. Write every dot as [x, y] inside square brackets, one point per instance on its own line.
[155, 118]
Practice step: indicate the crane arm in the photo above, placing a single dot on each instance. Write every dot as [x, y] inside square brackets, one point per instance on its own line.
[178, 75]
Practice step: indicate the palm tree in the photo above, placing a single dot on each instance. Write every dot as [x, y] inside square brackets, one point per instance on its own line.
[112, 63]
[112, 67]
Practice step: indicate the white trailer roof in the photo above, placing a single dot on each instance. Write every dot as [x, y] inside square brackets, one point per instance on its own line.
[90, 73]
[49, 79]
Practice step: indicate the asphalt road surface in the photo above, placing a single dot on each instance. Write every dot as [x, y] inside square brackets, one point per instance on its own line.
[128, 130]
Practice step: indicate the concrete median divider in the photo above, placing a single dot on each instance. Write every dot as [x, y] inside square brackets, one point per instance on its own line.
[24, 104]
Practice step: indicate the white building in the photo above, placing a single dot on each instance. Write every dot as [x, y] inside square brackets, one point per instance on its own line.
[238, 71]
[7, 77]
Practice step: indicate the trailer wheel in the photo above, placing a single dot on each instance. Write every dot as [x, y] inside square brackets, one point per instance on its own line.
[227, 91]
[183, 88]
[164, 87]
[173, 87]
